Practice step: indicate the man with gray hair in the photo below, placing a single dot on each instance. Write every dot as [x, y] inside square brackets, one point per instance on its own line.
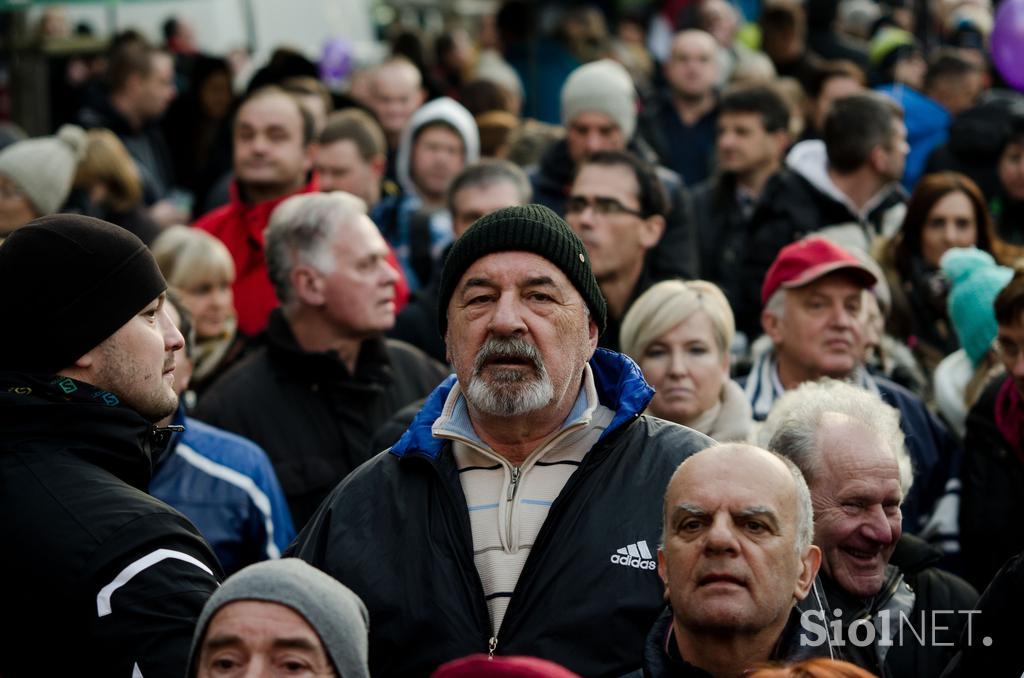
[517, 512]
[736, 558]
[324, 379]
[899, 615]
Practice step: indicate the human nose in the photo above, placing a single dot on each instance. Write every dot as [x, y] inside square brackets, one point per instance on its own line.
[677, 365]
[720, 536]
[507, 319]
[172, 336]
[877, 526]
[594, 142]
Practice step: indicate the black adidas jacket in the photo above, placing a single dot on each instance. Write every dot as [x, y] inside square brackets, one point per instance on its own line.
[100, 578]
[397, 532]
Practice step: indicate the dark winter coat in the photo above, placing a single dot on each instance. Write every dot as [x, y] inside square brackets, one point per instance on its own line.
[314, 419]
[991, 495]
[397, 532]
[912, 580]
[101, 579]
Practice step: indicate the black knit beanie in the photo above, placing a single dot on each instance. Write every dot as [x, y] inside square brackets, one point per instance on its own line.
[68, 282]
[531, 228]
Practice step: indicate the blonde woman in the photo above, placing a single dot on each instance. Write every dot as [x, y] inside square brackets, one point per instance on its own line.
[200, 267]
[679, 333]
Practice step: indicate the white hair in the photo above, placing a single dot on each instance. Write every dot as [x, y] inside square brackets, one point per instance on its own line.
[302, 230]
[795, 421]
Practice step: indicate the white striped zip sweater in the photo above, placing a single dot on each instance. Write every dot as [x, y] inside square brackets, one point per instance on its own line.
[508, 504]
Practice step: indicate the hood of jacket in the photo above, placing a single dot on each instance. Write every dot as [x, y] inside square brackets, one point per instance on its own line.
[620, 387]
[446, 110]
[809, 159]
[41, 414]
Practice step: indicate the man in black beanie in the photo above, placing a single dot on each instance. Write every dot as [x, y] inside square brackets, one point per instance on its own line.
[101, 578]
[520, 511]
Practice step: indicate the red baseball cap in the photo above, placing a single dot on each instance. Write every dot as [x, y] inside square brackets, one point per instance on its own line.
[502, 667]
[804, 261]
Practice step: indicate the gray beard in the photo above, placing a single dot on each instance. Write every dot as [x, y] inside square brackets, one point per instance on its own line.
[510, 392]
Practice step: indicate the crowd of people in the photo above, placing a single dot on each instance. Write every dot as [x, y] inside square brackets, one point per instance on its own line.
[696, 351]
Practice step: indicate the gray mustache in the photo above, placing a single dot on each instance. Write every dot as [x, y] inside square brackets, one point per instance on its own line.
[514, 348]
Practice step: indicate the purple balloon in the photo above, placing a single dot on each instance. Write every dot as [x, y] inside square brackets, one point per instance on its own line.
[1007, 42]
[336, 60]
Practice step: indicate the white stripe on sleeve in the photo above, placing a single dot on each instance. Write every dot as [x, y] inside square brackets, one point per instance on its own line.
[103, 599]
[241, 481]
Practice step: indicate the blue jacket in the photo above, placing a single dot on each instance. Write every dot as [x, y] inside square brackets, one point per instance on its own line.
[396, 531]
[927, 128]
[226, 486]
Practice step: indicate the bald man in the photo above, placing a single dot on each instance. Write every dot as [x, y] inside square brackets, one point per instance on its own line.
[681, 125]
[396, 91]
[736, 557]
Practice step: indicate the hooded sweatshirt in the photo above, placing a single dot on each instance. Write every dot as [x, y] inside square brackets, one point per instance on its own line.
[413, 236]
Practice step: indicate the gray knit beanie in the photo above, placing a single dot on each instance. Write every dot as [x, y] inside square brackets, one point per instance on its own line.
[603, 86]
[43, 168]
[337, 614]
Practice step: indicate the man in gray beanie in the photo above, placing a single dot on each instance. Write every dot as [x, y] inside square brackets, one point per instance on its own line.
[36, 176]
[599, 113]
[527, 487]
[281, 604]
[111, 575]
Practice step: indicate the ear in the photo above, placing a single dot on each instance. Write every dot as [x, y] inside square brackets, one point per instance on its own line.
[651, 231]
[593, 335]
[810, 563]
[726, 363]
[781, 140]
[422, 96]
[378, 165]
[772, 326]
[309, 154]
[877, 159]
[307, 285]
[663, 568]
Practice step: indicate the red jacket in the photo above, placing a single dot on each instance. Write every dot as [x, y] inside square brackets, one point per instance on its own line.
[240, 227]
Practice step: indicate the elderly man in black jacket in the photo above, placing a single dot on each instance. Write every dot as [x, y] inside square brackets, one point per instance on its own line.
[325, 379]
[518, 512]
[101, 579]
[900, 616]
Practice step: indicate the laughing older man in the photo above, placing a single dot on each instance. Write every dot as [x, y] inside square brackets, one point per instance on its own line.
[518, 513]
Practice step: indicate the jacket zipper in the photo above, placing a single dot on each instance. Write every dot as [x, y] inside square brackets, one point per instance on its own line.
[513, 486]
[492, 645]
[554, 513]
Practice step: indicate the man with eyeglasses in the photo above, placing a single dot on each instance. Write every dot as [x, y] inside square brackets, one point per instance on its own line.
[617, 207]
[993, 470]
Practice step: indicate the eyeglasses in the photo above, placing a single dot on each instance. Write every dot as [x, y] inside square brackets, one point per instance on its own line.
[605, 207]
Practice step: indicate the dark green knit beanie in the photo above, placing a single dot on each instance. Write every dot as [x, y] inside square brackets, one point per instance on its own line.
[531, 228]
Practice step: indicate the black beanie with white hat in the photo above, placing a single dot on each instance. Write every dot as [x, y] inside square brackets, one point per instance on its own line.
[67, 282]
[43, 168]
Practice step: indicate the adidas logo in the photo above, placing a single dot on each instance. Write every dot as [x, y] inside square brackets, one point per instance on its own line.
[635, 555]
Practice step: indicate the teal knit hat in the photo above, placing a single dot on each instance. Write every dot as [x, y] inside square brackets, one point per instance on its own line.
[976, 281]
